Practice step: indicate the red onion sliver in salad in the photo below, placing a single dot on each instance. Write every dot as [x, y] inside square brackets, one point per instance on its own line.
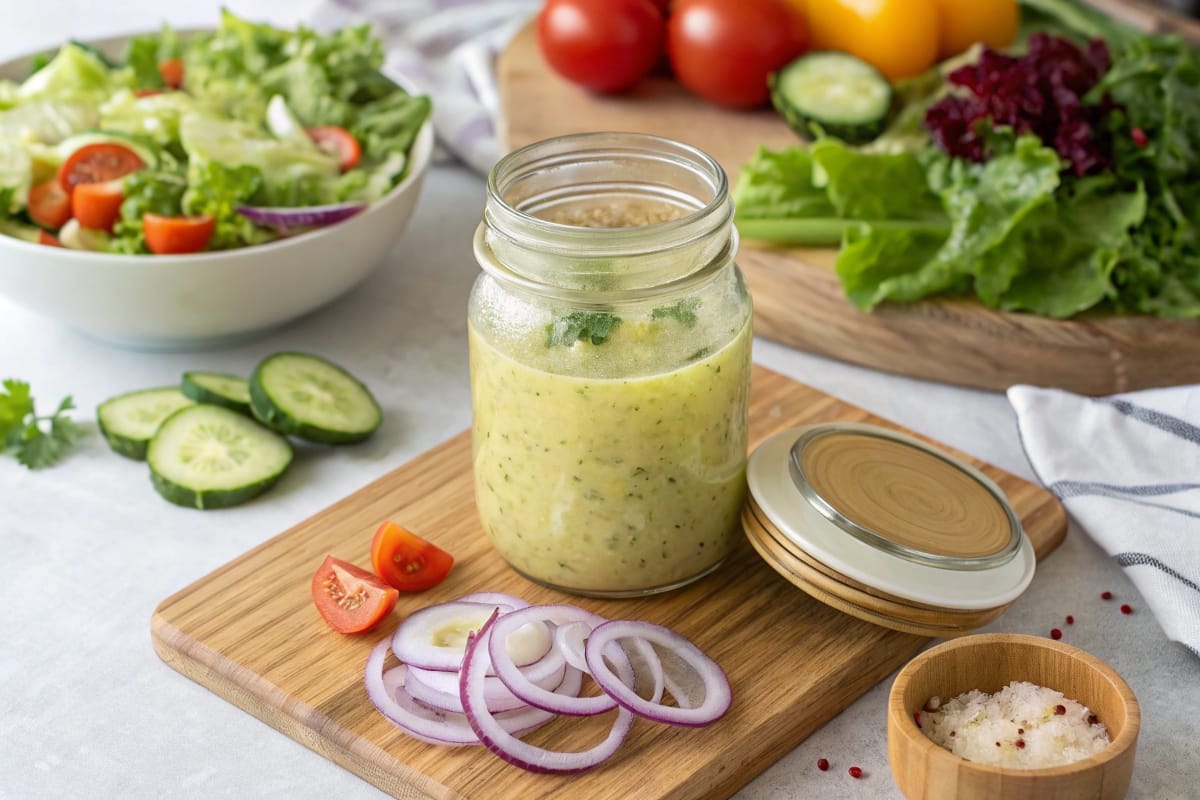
[285, 219]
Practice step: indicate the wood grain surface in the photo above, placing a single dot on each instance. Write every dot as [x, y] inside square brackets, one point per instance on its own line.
[797, 296]
[250, 633]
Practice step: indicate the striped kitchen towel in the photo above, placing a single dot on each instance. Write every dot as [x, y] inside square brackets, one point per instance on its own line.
[447, 50]
[1127, 468]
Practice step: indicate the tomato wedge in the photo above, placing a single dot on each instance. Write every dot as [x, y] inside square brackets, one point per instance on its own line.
[171, 71]
[338, 142]
[177, 235]
[97, 163]
[49, 204]
[351, 599]
[97, 205]
[48, 239]
[406, 561]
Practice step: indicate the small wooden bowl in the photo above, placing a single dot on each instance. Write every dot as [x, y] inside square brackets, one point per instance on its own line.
[988, 662]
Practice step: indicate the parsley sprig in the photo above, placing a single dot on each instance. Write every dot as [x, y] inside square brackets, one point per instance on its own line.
[36, 441]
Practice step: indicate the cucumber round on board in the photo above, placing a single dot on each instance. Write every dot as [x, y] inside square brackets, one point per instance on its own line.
[218, 388]
[206, 456]
[128, 421]
[838, 93]
[303, 395]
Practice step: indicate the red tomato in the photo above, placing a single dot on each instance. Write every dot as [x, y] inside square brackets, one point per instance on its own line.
[171, 70]
[338, 142]
[49, 204]
[603, 45]
[96, 163]
[97, 205]
[48, 239]
[350, 599]
[724, 50]
[174, 235]
[406, 561]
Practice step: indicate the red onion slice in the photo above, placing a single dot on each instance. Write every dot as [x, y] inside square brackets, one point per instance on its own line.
[505, 602]
[284, 219]
[440, 689]
[717, 694]
[436, 637]
[520, 685]
[436, 726]
[508, 747]
[570, 639]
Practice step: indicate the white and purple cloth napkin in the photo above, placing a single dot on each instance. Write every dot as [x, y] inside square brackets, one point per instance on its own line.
[1127, 469]
[447, 50]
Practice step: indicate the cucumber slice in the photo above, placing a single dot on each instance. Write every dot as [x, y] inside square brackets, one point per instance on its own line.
[128, 421]
[218, 388]
[841, 94]
[306, 396]
[206, 456]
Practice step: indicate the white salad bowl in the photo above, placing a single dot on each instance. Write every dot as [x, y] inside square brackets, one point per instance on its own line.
[176, 302]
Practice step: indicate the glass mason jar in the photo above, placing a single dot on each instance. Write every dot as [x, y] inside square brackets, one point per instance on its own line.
[610, 336]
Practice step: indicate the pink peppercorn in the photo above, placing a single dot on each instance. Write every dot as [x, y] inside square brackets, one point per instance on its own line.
[1106, 595]
[855, 772]
[822, 764]
[1070, 620]
[1126, 609]
[1055, 634]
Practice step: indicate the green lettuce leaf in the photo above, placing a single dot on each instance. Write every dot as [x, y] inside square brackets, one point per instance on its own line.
[16, 175]
[217, 190]
[75, 74]
[155, 117]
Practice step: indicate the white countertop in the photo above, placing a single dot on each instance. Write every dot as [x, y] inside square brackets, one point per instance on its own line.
[87, 708]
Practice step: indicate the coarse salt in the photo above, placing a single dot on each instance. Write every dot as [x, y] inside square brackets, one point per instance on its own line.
[1019, 726]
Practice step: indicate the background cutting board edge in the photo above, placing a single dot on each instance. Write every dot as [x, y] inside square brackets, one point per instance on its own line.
[798, 298]
[191, 631]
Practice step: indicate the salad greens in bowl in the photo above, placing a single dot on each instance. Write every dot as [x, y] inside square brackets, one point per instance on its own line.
[173, 188]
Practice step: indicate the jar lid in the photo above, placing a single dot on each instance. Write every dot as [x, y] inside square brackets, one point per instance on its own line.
[883, 520]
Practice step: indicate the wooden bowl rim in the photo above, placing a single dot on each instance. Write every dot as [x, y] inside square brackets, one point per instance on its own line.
[903, 722]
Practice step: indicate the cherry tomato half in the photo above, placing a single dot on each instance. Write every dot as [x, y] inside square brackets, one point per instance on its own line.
[724, 51]
[338, 142]
[97, 205]
[171, 71]
[406, 561]
[602, 45]
[351, 599]
[175, 235]
[48, 239]
[96, 163]
[49, 204]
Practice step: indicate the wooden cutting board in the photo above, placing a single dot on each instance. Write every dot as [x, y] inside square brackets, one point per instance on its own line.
[249, 632]
[798, 299]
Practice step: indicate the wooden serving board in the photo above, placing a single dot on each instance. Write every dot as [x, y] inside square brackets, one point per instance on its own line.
[250, 633]
[797, 297]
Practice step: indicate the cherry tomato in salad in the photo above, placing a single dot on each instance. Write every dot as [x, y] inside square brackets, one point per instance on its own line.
[339, 143]
[97, 205]
[406, 561]
[177, 235]
[962, 23]
[350, 599]
[49, 204]
[48, 239]
[171, 71]
[897, 37]
[96, 163]
[602, 45]
[724, 51]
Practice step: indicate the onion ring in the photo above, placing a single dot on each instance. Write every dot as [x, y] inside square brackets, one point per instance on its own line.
[717, 693]
[435, 637]
[510, 748]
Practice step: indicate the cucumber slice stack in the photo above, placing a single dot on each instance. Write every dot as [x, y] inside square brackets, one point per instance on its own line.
[306, 396]
[207, 456]
[218, 440]
[129, 421]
